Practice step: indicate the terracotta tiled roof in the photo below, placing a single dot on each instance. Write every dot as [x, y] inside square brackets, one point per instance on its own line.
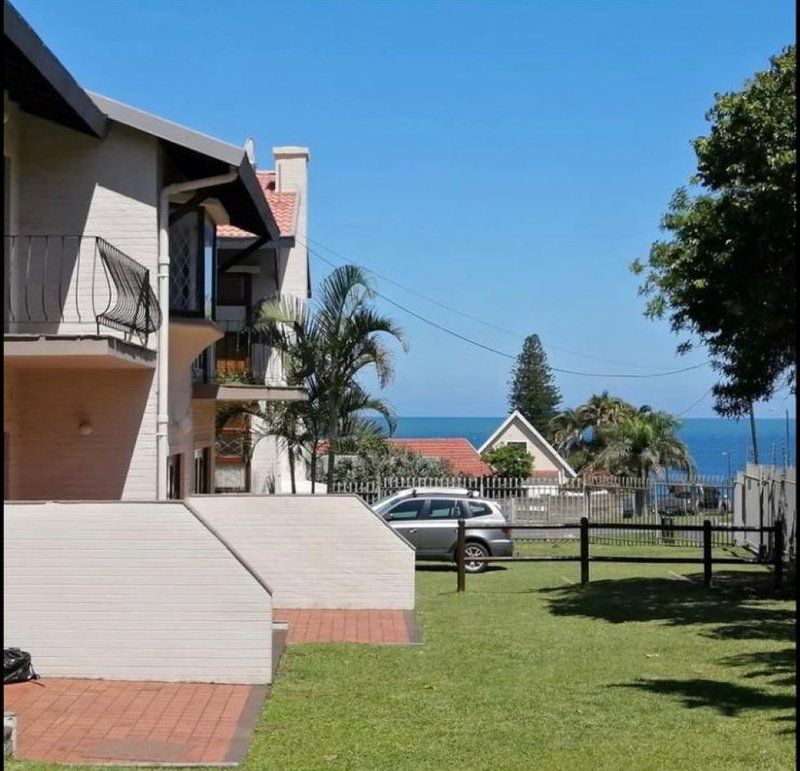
[457, 451]
[281, 205]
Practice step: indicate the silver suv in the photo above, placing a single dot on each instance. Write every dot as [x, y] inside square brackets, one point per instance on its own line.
[428, 519]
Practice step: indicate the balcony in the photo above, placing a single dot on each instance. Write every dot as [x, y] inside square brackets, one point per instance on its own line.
[77, 297]
[240, 368]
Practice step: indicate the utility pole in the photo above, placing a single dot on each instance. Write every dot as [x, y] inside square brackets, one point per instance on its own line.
[753, 433]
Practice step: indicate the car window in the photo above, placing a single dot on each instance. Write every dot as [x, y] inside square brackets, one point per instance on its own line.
[475, 509]
[410, 509]
[443, 508]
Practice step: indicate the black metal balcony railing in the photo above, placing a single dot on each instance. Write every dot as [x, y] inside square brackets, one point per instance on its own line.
[64, 284]
[238, 357]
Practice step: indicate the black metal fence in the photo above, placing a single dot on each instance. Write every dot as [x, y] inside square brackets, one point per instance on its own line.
[72, 284]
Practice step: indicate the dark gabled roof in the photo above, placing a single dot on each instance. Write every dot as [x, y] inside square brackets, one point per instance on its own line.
[37, 81]
[199, 155]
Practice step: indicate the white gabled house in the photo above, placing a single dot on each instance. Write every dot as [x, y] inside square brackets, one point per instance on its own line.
[517, 430]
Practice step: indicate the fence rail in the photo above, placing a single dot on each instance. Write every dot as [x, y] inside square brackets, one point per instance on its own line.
[73, 285]
[776, 531]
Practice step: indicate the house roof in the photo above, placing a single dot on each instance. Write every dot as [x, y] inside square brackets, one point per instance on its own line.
[543, 444]
[457, 451]
[39, 83]
[282, 205]
[200, 155]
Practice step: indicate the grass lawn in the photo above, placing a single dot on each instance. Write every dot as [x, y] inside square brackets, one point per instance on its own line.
[640, 670]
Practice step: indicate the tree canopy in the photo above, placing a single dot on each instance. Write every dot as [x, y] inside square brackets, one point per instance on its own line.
[726, 272]
[509, 461]
[532, 390]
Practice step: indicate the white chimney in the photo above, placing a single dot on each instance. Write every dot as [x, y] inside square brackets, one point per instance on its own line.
[291, 176]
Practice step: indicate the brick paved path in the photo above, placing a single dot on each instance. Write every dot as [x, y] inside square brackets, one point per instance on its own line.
[359, 626]
[108, 721]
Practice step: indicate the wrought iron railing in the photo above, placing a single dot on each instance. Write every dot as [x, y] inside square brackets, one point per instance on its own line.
[239, 357]
[68, 284]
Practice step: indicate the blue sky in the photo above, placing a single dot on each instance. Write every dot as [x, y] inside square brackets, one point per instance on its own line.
[509, 159]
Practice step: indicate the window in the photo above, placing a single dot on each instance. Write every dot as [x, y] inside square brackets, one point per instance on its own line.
[174, 486]
[443, 509]
[202, 470]
[192, 253]
[410, 509]
[475, 509]
[233, 289]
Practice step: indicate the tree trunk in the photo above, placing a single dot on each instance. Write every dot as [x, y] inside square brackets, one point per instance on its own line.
[332, 432]
[292, 471]
[753, 432]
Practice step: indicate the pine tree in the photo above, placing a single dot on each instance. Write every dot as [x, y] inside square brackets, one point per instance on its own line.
[533, 391]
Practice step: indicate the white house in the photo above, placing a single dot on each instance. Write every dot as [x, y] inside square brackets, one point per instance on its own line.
[517, 430]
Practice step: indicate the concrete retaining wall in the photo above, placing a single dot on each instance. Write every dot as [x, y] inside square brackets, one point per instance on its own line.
[131, 591]
[316, 551]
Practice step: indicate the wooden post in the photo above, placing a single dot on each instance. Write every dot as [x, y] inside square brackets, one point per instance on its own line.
[707, 552]
[461, 543]
[778, 545]
[584, 551]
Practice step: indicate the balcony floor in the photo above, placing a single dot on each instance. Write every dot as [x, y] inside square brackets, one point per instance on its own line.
[74, 352]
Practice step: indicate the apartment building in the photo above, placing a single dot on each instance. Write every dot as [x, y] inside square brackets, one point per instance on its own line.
[111, 282]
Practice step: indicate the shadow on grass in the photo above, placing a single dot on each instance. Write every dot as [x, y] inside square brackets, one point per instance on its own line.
[776, 667]
[740, 605]
[728, 699]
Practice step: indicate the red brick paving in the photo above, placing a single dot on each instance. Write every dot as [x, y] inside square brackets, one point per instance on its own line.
[103, 721]
[111, 721]
[375, 627]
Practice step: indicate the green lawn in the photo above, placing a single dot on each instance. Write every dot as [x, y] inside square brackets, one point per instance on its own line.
[640, 670]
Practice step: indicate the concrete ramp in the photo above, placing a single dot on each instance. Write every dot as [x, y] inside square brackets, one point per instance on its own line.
[316, 551]
[131, 591]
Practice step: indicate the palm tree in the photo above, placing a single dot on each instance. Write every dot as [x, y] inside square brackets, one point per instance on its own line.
[639, 445]
[603, 410]
[566, 431]
[328, 349]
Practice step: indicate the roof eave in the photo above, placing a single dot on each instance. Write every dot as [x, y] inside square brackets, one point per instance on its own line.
[87, 116]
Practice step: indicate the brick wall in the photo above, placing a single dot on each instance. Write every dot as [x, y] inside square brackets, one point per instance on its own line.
[52, 460]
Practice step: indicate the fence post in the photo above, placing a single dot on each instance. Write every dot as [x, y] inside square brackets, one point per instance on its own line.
[461, 543]
[707, 552]
[779, 546]
[584, 551]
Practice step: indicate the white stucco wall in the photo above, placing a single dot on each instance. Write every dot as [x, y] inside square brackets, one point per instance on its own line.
[130, 591]
[316, 551]
[516, 433]
[51, 460]
[71, 184]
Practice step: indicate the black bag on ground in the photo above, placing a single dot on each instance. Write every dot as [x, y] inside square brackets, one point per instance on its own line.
[17, 666]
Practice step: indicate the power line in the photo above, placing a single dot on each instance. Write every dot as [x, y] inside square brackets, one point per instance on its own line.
[688, 409]
[465, 315]
[489, 348]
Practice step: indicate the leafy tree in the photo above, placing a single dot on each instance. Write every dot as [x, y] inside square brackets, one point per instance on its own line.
[328, 348]
[509, 460]
[727, 270]
[532, 390]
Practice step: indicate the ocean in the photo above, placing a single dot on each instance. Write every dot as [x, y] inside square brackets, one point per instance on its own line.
[708, 439]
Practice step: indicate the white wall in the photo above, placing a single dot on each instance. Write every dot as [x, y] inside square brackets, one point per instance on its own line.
[136, 591]
[316, 551]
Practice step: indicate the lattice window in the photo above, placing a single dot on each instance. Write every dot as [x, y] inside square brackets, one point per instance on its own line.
[184, 255]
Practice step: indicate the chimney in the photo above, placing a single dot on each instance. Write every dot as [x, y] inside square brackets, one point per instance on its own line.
[291, 176]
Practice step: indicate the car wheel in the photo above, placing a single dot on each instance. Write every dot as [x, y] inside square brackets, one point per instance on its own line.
[472, 550]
